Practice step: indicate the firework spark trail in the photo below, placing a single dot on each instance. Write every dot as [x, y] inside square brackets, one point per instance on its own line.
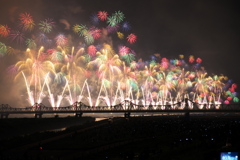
[30, 96]
[60, 97]
[41, 93]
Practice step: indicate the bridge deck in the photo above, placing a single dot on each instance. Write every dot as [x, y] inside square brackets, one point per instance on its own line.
[6, 110]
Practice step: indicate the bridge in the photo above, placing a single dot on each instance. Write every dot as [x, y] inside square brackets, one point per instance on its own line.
[126, 107]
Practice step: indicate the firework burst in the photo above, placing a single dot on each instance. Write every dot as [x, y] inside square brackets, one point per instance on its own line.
[46, 26]
[4, 30]
[94, 73]
[26, 21]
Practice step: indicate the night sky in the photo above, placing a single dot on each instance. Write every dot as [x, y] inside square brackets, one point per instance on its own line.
[203, 28]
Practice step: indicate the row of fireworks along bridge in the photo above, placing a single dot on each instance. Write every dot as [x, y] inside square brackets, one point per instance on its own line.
[126, 107]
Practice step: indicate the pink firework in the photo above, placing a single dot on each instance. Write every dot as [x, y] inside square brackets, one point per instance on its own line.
[61, 40]
[131, 38]
[92, 50]
[4, 30]
[123, 50]
[164, 63]
[95, 32]
[102, 15]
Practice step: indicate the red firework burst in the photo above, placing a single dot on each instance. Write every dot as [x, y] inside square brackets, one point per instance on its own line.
[131, 38]
[27, 21]
[92, 50]
[102, 15]
[96, 33]
[4, 30]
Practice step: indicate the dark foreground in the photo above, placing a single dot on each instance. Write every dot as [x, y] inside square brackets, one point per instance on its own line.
[200, 137]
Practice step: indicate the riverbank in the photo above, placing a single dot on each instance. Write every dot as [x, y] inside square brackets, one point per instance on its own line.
[14, 127]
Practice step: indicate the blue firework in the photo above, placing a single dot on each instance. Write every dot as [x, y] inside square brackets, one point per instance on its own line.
[94, 19]
[126, 26]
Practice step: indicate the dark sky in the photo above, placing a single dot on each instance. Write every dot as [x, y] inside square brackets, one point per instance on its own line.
[203, 28]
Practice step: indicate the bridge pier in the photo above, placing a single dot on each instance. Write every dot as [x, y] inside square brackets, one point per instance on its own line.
[79, 114]
[38, 115]
[127, 114]
[4, 115]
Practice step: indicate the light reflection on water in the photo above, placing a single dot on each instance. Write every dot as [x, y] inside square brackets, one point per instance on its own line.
[56, 130]
[99, 119]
